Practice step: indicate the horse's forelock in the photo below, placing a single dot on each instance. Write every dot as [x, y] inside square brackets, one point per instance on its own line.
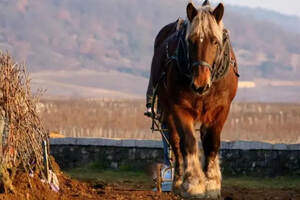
[204, 24]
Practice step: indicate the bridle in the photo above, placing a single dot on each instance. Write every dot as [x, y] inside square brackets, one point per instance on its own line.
[202, 63]
[186, 67]
[197, 63]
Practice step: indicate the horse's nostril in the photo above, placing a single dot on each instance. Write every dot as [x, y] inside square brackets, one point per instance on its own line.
[206, 87]
[200, 89]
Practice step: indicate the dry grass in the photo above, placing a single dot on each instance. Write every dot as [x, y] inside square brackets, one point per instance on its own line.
[278, 123]
[24, 133]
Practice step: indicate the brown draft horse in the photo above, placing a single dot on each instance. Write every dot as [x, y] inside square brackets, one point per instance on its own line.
[199, 85]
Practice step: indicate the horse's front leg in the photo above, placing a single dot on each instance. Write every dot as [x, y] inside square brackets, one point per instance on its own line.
[210, 135]
[194, 179]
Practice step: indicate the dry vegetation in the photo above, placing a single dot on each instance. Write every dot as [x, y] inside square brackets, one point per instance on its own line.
[124, 119]
[21, 132]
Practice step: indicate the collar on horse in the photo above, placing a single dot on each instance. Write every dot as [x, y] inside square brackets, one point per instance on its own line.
[182, 56]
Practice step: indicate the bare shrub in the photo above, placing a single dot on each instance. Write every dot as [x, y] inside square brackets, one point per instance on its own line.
[24, 133]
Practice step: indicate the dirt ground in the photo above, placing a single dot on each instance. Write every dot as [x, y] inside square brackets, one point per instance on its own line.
[73, 189]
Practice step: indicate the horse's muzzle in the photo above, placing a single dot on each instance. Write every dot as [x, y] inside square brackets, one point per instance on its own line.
[200, 90]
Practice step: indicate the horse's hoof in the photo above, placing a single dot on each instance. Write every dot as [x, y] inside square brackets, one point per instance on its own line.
[214, 195]
[187, 195]
[193, 191]
[176, 188]
[213, 189]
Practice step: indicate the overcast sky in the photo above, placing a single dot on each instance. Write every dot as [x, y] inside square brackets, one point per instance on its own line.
[290, 7]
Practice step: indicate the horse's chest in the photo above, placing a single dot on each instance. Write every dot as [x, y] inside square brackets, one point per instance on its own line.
[208, 111]
[204, 109]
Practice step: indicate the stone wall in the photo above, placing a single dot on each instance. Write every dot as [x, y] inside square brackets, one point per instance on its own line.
[237, 158]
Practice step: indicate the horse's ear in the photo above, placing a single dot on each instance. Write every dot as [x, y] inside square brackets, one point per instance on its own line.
[191, 11]
[206, 3]
[219, 12]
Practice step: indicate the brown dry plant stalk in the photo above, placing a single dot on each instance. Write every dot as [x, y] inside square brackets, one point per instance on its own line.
[22, 142]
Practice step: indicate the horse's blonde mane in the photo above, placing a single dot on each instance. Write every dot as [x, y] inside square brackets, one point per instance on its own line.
[204, 24]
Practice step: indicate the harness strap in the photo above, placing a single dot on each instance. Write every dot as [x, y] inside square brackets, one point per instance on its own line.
[202, 63]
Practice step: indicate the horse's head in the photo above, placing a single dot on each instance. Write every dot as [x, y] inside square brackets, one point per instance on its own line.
[204, 38]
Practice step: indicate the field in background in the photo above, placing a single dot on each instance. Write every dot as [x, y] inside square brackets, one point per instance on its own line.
[276, 123]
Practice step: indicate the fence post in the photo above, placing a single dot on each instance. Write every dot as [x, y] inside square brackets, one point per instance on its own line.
[46, 162]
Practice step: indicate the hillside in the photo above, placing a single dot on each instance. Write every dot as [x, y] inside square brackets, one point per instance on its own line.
[103, 48]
